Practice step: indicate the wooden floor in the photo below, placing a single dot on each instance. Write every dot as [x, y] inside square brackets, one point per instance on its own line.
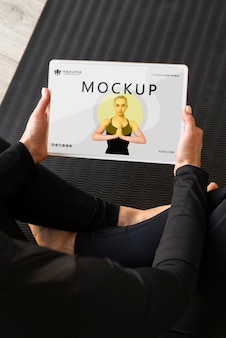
[17, 22]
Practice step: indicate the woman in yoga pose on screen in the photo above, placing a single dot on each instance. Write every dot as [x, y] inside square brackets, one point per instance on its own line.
[119, 130]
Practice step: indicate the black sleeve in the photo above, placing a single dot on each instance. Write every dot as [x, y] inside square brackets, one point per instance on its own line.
[186, 224]
[148, 301]
[16, 167]
[61, 205]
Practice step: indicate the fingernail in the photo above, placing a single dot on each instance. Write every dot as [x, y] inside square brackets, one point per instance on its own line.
[188, 109]
[43, 92]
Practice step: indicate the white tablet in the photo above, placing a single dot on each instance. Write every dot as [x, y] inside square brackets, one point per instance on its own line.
[128, 111]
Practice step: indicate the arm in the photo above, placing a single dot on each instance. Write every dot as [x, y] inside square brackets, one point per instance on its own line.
[186, 222]
[153, 299]
[16, 168]
[18, 161]
[148, 301]
[98, 133]
[137, 137]
[179, 252]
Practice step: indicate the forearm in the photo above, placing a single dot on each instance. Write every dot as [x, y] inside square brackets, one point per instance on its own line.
[16, 167]
[180, 248]
[134, 139]
[103, 137]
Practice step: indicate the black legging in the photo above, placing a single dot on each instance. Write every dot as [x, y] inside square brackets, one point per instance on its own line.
[49, 201]
[135, 246]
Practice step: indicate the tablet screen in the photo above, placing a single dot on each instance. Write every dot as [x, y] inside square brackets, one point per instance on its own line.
[127, 111]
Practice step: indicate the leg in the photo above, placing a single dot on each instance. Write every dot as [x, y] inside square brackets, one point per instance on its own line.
[49, 201]
[87, 243]
[135, 246]
[131, 246]
[132, 243]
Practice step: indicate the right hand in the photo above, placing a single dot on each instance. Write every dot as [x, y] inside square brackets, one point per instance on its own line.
[190, 145]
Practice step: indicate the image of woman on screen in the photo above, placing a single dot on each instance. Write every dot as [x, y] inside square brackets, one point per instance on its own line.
[119, 131]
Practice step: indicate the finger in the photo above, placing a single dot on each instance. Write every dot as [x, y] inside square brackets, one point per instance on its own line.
[43, 103]
[187, 115]
[188, 119]
[188, 109]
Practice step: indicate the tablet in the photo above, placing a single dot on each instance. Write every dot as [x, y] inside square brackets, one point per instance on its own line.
[126, 111]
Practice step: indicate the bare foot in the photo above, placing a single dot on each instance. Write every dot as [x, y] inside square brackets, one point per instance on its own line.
[59, 240]
[64, 241]
[129, 216]
[212, 186]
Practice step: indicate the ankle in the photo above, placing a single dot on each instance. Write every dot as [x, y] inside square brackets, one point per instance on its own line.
[128, 216]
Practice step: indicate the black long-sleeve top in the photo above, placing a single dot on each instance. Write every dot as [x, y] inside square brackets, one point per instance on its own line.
[44, 293]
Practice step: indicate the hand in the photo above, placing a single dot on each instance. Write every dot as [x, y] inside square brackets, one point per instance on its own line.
[190, 145]
[35, 135]
[117, 124]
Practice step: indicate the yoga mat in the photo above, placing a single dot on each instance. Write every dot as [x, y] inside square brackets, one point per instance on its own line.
[189, 31]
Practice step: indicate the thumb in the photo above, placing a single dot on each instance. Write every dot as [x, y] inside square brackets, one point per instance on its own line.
[40, 110]
[188, 117]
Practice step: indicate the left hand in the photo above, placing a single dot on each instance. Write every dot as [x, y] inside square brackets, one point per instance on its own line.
[35, 135]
